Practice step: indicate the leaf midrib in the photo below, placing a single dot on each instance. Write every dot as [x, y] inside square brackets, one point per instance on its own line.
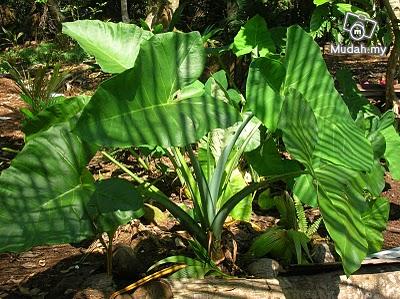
[162, 105]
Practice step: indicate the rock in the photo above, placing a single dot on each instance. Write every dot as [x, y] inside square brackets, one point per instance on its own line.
[155, 289]
[99, 286]
[321, 253]
[264, 268]
[126, 263]
[152, 214]
[68, 285]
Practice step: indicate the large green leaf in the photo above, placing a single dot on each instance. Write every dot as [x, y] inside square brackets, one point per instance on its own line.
[300, 128]
[319, 131]
[342, 204]
[337, 188]
[262, 90]
[342, 142]
[44, 192]
[320, 2]
[115, 202]
[375, 219]
[115, 46]
[339, 139]
[254, 35]
[306, 72]
[392, 151]
[139, 106]
[267, 161]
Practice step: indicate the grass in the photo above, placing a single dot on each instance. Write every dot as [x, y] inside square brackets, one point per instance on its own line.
[46, 53]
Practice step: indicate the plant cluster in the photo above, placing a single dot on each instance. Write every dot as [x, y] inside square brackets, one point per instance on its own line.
[40, 91]
[45, 53]
[334, 146]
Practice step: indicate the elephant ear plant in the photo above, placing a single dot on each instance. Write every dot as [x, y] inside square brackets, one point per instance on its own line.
[154, 100]
[159, 102]
[48, 196]
[296, 98]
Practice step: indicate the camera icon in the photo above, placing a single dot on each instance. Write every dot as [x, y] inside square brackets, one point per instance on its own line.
[358, 26]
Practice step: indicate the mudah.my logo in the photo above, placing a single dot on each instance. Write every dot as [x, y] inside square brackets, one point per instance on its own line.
[359, 27]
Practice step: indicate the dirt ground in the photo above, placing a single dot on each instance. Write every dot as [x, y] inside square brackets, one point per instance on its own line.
[63, 270]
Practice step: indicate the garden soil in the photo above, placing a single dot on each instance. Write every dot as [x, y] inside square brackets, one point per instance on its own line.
[63, 271]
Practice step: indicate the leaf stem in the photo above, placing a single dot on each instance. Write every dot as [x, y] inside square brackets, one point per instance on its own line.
[153, 192]
[139, 159]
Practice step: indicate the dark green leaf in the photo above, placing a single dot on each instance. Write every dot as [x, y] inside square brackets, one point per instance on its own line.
[138, 107]
[318, 16]
[44, 193]
[115, 202]
[267, 161]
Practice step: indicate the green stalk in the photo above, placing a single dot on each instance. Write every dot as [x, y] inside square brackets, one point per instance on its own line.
[208, 206]
[123, 167]
[186, 177]
[139, 159]
[238, 154]
[223, 213]
[153, 192]
[183, 171]
[215, 183]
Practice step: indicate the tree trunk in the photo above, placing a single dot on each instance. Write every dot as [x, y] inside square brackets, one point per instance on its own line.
[55, 13]
[124, 11]
[161, 12]
[392, 101]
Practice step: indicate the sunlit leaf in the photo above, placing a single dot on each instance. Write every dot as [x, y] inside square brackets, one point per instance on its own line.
[115, 46]
[254, 35]
[392, 151]
[263, 85]
[243, 209]
[138, 107]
